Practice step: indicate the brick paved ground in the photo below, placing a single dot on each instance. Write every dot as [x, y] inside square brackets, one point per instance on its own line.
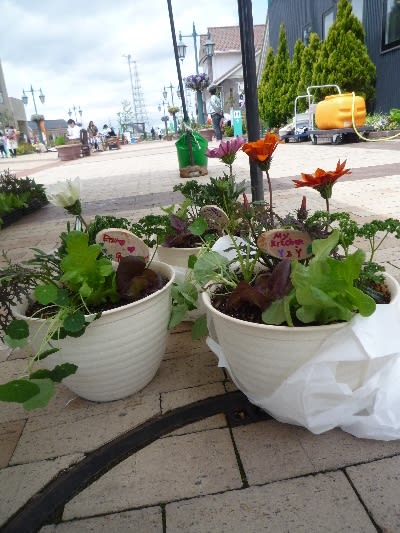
[207, 476]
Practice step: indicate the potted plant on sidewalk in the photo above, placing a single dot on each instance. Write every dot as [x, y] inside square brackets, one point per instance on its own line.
[99, 326]
[281, 291]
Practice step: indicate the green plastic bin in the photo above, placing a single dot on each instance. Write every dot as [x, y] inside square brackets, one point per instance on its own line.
[199, 148]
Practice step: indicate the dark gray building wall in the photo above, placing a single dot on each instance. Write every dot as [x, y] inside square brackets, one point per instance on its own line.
[297, 14]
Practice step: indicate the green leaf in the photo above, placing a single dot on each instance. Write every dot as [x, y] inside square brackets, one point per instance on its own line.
[275, 313]
[58, 373]
[18, 329]
[192, 260]
[46, 391]
[74, 322]
[207, 265]
[46, 353]
[321, 248]
[15, 343]
[18, 390]
[199, 328]
[178, 313]
[46, 294]
[62, 298]
[199, 226]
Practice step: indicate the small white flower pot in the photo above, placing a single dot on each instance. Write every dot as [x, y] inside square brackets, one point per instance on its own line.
[119, 353]
[177, 257]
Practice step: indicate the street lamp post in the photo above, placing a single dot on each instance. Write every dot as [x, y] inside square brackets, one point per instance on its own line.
[209, 51]
[164, 118]
[170, 87]
[42, 134]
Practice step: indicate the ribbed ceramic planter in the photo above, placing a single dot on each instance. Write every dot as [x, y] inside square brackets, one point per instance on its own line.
[119, 353]
[261, 357]
[176, 256]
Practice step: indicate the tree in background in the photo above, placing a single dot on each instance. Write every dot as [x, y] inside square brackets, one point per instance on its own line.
[294, 75]
[125, 117]
[344, 58]
[308, 61]
[278, 85]
[264, 96]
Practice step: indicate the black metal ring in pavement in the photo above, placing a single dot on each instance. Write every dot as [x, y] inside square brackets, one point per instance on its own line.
[49, 502]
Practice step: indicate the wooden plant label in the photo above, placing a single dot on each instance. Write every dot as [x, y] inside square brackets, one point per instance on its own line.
[285, 244]
[121, 242]
[215, 216]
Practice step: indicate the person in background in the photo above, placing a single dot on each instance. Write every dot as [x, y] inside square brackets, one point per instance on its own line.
[108, 131]
[3, 145]
[216, 112]
[153, 133]
[11, 134]
[92, 132]
[74, 131]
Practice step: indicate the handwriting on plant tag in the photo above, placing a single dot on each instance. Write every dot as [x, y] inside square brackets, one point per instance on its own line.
[215, 216]
[121, 242]
[285, 244]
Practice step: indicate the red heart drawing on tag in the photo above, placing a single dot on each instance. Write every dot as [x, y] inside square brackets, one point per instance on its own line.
[131, 249]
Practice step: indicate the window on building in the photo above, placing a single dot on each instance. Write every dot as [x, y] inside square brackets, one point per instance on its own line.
[327, 21]
[358, 7]
[1, 98]
[391, 24]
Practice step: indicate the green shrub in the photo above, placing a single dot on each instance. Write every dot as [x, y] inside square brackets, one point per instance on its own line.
[228, 131]
[60, 140]
[25, 148]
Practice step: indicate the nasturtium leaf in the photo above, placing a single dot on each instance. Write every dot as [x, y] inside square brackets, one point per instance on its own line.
[199, 327]
[18, 390]
[46, 294]
[62, 298]
[41, 399]
[15, 343]
[198, 227]
[58, 373]
[18, 329]
[74, 322]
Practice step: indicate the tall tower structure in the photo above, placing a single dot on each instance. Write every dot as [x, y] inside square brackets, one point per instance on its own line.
[139, 107]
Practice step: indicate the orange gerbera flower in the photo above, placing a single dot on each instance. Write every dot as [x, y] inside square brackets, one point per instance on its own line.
[323, 180]
[261, 151]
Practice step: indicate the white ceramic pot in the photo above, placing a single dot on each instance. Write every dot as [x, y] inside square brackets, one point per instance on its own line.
[260, 356]
[119, 353]
[177, 257]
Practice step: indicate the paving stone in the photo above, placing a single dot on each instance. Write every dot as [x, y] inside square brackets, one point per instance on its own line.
[172, 400]
[9, 435]
[19, 483]
[378, 485]
[314, 504]
[169, 469]
[336, 449]
[142, 520]
[63, 433]
[180, 344]
[183, 372]
[270, 451]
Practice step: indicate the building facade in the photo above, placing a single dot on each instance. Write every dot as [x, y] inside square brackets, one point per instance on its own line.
[381, 21]
[224, 68]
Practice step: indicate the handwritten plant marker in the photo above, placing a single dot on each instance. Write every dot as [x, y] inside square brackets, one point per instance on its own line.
[285, 244]
[215, 216]
[121, 242]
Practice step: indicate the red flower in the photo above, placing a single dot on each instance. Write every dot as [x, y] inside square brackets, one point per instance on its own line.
[261, 151]
[323, 180]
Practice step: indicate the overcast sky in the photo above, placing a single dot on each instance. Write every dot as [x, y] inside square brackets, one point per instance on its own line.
[74, 50]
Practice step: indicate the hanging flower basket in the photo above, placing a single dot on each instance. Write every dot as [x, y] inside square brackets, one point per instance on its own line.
[197, 82]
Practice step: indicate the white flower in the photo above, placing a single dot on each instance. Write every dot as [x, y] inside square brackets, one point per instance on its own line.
[64, 193]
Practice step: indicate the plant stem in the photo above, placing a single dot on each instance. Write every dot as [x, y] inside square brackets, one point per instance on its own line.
[271, 213]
